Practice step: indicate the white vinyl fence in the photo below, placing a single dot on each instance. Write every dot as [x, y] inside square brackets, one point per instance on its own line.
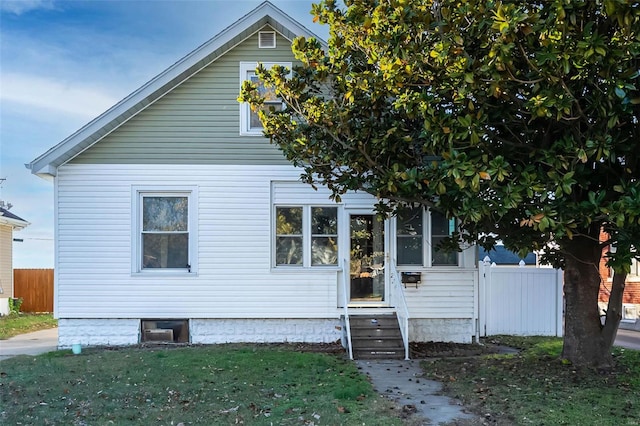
[520, 301]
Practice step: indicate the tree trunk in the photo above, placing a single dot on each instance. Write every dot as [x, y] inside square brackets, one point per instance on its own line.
[584, 342]
[614, 308]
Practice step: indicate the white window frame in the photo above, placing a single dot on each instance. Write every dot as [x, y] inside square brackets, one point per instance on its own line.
[634, 272]
[247, 69]
[397, 237]
[137, 195]
[307, 237]
[427, 245]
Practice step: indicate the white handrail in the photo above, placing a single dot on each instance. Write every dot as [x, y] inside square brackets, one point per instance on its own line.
[345, 301]
[400, 302]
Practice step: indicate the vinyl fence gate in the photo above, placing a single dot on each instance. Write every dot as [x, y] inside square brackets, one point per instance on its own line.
[520, 301]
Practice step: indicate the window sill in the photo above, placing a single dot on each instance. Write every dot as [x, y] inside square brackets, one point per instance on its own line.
[420, 268]
[157, 274]
[251, 133]
[305, 269]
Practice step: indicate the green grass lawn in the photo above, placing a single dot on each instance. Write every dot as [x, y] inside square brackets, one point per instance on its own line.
[225, 384]
[536, 387]
[14, 324]
[266, 384]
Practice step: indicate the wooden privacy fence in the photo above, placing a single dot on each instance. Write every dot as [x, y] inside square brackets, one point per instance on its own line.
[35, 287]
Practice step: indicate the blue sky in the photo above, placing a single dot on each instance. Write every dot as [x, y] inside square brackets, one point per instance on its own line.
[62, 63]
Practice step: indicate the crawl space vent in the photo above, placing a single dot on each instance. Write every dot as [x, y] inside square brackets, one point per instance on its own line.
[165, 331]
[267, 39]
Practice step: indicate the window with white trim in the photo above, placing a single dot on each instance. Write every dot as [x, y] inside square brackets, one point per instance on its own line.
[165, 231]
[249, 121]
[634, 272]
[415, 247]
[305, 236]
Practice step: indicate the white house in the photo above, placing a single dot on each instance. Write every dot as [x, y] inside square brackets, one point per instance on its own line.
[176, 219]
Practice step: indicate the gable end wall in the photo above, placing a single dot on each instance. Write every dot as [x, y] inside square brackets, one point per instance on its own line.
[198, 122]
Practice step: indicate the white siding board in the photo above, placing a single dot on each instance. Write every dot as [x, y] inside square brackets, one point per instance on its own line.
[234, 278]
[443, 295]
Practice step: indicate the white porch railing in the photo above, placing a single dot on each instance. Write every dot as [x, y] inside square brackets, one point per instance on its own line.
[345, 301]
[398, 300]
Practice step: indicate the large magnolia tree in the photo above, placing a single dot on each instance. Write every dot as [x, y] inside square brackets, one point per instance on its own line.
[520, 118]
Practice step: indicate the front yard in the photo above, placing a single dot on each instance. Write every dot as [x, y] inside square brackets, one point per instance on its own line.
[19, 323]
[536, 387]
[297, 385]
[226, 384]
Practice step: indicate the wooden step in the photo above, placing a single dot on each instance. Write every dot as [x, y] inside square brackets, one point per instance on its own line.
[372, 353]
[376, 337]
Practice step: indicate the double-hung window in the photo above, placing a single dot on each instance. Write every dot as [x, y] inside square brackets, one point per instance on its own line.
[165, 228]
[249, 120]
[415, 247]
[410, 237]
[306, 236]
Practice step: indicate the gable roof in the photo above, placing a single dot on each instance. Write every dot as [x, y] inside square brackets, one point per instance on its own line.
[8, 218]
[265, 14]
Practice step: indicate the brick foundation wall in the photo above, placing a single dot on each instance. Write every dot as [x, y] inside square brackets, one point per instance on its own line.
[123, 332]
[210, 331]
[456, 330]
[98, 332]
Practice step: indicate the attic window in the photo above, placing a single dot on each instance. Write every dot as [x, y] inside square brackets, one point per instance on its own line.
[249, 120]
[266, 39]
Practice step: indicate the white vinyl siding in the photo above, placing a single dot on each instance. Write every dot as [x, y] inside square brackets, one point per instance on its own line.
[443, 294]
[234, 277]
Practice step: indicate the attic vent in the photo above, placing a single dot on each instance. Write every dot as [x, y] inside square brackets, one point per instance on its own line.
[267, 39]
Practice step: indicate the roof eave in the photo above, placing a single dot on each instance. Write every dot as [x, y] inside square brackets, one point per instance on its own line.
[16, 224]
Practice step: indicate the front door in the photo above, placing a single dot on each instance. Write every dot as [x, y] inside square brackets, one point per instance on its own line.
[366, 259]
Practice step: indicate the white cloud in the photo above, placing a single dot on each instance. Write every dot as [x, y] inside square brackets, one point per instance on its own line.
[58, 96]
[18, 7]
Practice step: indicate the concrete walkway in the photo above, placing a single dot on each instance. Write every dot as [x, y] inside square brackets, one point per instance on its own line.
[35, 343]
[419, 399]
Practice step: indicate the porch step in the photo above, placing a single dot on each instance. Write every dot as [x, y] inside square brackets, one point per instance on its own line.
[376, 337]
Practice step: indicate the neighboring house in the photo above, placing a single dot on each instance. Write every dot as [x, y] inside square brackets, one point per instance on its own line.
[177, 219]
[501, 256]
[9, 222]
[631, 295]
